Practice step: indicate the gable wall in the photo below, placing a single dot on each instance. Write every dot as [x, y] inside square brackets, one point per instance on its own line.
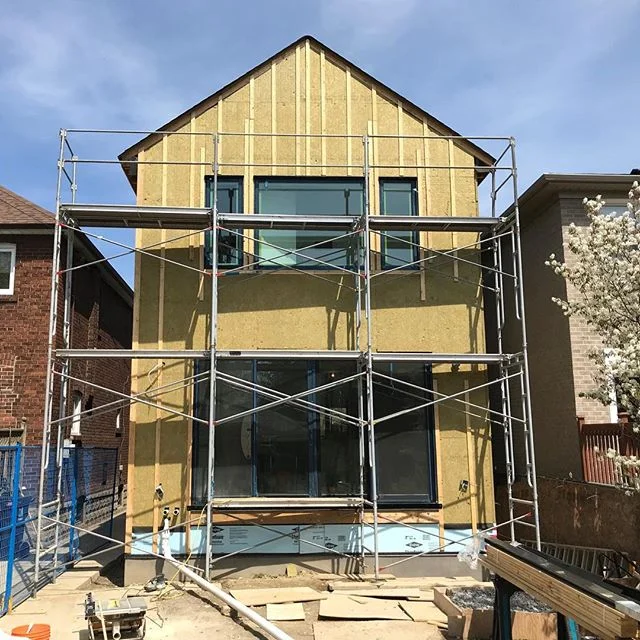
[305, 91]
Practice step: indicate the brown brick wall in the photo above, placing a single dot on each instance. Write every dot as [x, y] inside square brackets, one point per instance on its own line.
[583, 339]
[100, 319]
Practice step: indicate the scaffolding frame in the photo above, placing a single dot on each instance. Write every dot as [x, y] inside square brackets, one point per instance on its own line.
[491, 231]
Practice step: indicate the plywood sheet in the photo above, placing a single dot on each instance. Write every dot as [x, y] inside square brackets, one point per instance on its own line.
[259, 597]
[288, 611]
[376, 630]
[424, 612]
[358, 608]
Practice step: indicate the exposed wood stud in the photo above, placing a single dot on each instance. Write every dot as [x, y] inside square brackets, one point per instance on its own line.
[439, 466]
[471, 458]
[323, 112]
[348, 108]
[307, 105]
[401, 170]
[297, 123]
[274, 117]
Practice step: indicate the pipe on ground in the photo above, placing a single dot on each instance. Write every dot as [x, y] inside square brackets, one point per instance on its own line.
[263, 623]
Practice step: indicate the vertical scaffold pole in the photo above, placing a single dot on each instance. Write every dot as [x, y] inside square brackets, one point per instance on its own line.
[361, 421]
[49, 379]
[213, 343]
[519, 292]
[368, 355]
[64, 387]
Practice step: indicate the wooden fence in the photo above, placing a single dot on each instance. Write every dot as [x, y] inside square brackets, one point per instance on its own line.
[596, 440]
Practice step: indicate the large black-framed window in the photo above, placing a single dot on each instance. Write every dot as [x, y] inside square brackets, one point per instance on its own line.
[399, 197]
[307, 196]
[230, 200]
[297, 451]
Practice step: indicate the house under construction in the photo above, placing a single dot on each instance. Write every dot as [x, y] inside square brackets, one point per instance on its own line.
[310, 381]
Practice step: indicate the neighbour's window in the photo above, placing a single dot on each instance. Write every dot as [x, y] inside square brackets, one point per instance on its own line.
[308, 196]
[613, 208]
[76, 415]
[298, 450]
[119, 423]
[398, 197]
[229, 201]
[7, 269]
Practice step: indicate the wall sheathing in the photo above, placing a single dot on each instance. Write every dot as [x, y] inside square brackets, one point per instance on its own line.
[306, 91]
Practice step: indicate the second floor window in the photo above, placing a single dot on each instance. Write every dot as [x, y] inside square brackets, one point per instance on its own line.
[398, 197]
[229, 201]
[307, 196]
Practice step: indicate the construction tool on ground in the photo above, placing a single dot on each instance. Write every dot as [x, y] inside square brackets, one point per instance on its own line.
[113, 617]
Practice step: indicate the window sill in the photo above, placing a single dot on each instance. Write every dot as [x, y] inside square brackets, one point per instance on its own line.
[6, 299]
[261, 504]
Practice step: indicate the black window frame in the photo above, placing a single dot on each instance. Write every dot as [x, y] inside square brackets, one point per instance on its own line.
[309, 264]
[426, 499]
[415, 235]
[238, 182]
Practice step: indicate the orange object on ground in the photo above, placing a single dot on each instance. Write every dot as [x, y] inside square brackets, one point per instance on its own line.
[33, 631]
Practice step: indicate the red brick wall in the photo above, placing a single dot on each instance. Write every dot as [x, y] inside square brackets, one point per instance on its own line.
[24, 319]
[100, 319]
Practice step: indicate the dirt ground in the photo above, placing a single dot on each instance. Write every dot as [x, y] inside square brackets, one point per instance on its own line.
[183, 611]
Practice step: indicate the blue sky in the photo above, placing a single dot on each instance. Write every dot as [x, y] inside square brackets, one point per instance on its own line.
[560, 76]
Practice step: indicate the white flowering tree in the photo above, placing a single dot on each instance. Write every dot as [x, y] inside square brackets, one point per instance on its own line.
[605, 273]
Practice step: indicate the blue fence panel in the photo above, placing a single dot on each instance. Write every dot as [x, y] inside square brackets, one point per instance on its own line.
[89, 495]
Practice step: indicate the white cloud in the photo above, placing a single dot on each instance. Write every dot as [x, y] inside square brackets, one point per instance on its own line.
[74, 63]
[370, 23]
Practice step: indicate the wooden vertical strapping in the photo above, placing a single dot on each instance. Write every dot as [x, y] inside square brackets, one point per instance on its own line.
[274, 119]
[297, 123]
[348, 107]
[323, 114]
[471, 461]
[439, 467]
[307, 107]
[452, 205]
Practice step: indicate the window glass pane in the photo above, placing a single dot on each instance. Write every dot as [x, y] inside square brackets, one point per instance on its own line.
[613, 209]
[229, 201]
[282, 433]
[398, 198]
[233, 439]
[306, 196]
[404, 445]
[338, 441]
[5, 269]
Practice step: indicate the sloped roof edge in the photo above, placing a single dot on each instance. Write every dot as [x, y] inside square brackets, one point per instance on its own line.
[480, 154]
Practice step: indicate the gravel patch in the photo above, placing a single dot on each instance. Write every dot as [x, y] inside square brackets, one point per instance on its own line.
[483, 598]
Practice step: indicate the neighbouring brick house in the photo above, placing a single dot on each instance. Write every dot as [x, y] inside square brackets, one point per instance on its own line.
[575, 508]
[560, 367]
[101, 318]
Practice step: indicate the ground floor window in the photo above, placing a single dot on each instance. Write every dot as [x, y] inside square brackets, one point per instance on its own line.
[310, 449]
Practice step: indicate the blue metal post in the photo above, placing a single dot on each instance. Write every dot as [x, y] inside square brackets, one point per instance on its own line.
[15, 499]
[72, 461]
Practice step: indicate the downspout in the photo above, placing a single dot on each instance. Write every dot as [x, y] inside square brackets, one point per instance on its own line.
[263, 623]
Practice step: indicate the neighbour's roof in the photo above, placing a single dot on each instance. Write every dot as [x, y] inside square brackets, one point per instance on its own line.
[438, 126]
[18, 213]
[579, 185]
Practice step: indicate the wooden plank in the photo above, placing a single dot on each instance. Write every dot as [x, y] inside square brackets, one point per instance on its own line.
[259, 597]
[344, 607]
[288, 611]
[393, 594]
[375, 630]
[404, 583]
[588, 612]
[424, 612]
